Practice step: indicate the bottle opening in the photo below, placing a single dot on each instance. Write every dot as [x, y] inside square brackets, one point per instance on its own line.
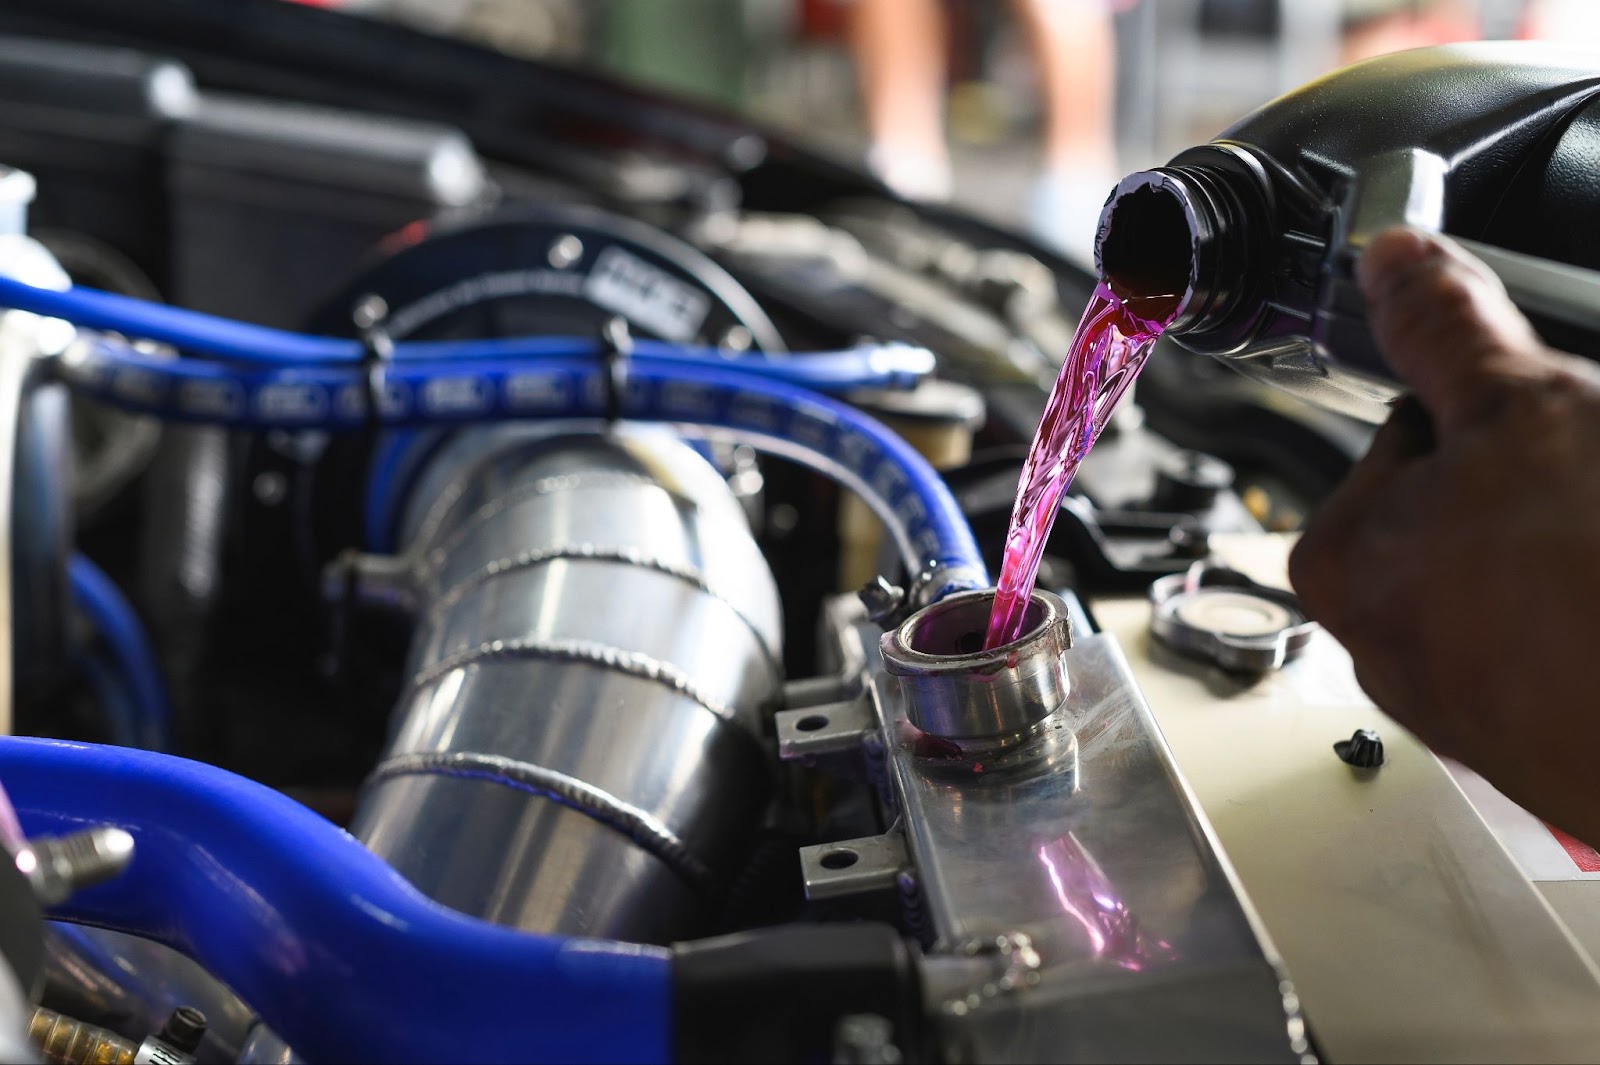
[1147, 242]
[957, 626]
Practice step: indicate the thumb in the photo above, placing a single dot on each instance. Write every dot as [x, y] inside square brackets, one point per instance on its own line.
[1445, 324]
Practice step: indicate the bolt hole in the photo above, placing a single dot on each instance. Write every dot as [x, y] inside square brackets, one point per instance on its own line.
[840, 859]
[812, 722]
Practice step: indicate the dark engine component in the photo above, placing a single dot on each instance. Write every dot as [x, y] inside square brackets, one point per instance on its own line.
[558, 270]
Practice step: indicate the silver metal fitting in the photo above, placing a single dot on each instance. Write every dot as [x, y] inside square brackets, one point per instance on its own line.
[156, 1051]
[884, 601]
[382, 582]
[58, 866]
[865, 1039]
[1015, 965]
[369, 311]
[956, 690]
[17, 188]
[942, 579]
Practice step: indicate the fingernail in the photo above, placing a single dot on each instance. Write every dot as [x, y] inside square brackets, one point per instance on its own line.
[1390, 255]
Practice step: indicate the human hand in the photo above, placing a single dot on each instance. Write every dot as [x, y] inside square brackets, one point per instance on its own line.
[1460, 563]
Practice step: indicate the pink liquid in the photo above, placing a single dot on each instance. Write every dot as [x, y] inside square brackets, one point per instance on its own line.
[1112, 342]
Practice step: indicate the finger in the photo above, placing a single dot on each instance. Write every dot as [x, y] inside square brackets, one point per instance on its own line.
[1407, 435]
[1321, 568]
[1445, 324]
[1402, 439]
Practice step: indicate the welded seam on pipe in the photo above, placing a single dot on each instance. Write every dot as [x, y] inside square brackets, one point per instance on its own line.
[627, 556]
[638, 825]
[614, 659]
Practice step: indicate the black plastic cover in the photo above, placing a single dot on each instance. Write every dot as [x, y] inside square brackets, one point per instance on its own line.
[1466, 139]
[71, 114]
[1553, 210]
[274, 204]
[779, 993]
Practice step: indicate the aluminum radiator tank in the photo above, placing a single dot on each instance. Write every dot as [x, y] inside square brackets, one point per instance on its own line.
[578, 749]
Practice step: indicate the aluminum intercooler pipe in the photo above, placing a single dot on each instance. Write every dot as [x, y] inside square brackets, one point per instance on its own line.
[578, 750]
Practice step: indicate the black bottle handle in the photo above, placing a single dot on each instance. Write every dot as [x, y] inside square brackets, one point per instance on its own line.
[1543, 288]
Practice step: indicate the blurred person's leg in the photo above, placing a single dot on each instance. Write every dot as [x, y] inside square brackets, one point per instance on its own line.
[1568, 22]
[1074, 42]
[1377, 27]
[899, 48]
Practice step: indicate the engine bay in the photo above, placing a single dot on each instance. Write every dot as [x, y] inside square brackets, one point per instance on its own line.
[494, 571]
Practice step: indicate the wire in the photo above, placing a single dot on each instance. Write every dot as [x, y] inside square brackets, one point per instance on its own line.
[226, 340]
[190, 331]
[827, 435]
[420, 391]
[119, 628]
[259, 377]
[263, 378]
[868, 365]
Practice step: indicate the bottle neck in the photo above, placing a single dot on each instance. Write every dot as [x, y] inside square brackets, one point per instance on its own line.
[1180, 231]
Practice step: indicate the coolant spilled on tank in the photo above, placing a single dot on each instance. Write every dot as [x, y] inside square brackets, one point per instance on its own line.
[1110, 346]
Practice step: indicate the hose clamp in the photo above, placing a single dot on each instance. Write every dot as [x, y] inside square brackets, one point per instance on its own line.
[940, 579]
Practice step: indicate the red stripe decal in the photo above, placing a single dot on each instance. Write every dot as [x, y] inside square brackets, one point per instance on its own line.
[1585, 857]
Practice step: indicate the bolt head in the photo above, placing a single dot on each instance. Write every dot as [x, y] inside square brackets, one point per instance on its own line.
[565, 251]
[369, 311]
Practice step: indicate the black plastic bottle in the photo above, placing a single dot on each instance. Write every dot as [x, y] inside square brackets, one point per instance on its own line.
[1497, 144]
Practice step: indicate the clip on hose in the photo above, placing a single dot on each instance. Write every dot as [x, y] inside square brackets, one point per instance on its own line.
[377, 351]
[616, 344]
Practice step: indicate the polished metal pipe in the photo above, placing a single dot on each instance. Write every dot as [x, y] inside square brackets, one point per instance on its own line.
[957, 690]
[578, 749]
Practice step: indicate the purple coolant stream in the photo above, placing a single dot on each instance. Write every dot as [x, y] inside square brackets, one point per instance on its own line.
[1112, 342]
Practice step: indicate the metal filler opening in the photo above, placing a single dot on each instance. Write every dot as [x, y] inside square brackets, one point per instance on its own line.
[956, 690]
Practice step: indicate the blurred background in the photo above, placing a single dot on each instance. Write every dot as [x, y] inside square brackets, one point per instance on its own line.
[1022, 111]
